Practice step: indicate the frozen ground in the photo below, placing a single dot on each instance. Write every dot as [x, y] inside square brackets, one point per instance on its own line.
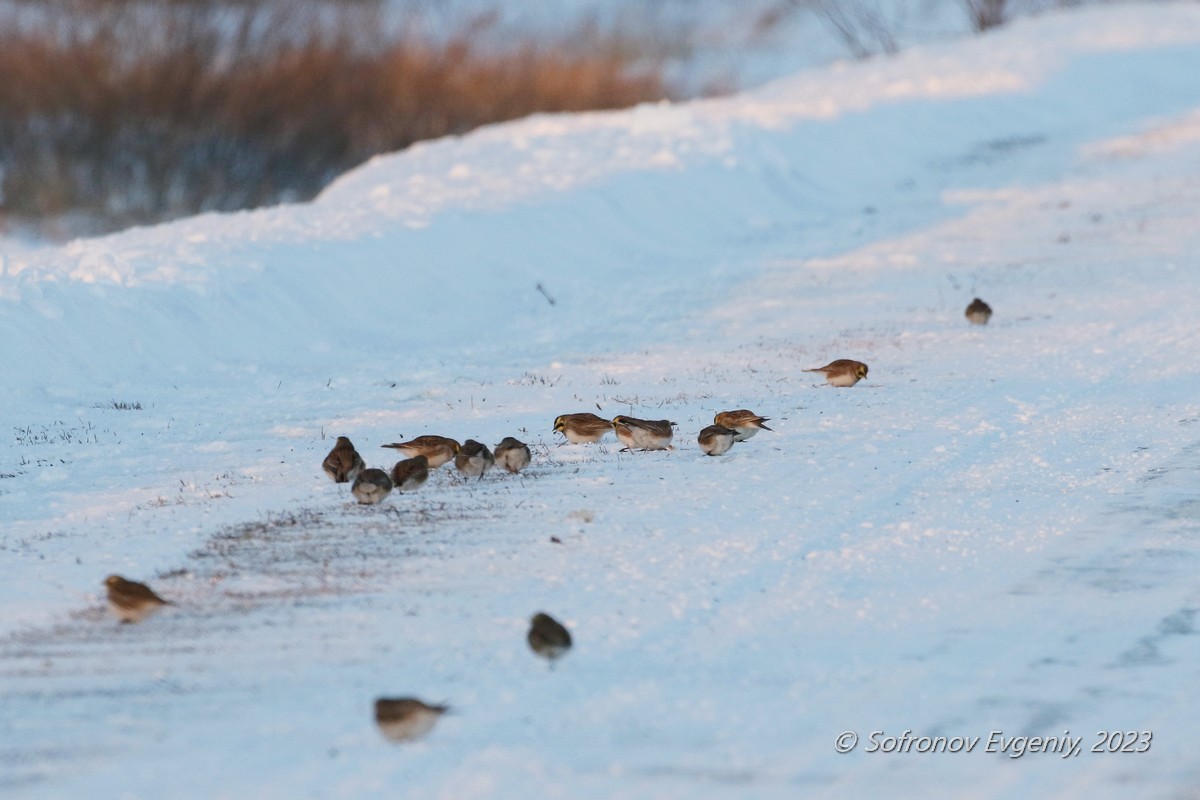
[997, 531]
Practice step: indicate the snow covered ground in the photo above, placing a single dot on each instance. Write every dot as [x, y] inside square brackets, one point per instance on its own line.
[996, 531]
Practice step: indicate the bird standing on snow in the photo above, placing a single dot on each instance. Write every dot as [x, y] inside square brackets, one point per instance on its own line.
[343, 462]
[717, 439]
[547, 637]
[842, 372]
[643, 434]
[131, 601]
[410, 474]
[513, 454]
[745, 423]
[583, 428]
[371, 486]
[978, 313]
[438, 449]
[474, 459]
[404, 719]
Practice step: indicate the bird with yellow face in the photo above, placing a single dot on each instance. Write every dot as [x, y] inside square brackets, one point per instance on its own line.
[582, 428]
[843, 372]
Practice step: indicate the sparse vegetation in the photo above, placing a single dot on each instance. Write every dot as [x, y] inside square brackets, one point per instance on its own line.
[120, 405]
[56, 433]
[120, 112]
[129, 112]
[871, 27]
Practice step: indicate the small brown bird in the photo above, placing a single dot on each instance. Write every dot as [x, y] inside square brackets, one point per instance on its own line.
[474, 459]
[410, 474]
[842, 372]
[343, 462]
[643, 434]
[438, 449]
[717, 439]
[405, 719]
[583, 428]
[978, 313]
[371, 486]
[131, 601]
[512, 454]
[547, 637]
[745, 423]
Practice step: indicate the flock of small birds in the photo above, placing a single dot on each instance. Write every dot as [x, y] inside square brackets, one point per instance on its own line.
[403, 719]
[472, 459]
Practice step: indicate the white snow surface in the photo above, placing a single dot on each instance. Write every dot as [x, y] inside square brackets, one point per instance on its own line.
[996, 531]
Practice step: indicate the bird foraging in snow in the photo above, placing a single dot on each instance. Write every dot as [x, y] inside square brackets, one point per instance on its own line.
[717, 439]
[512, 454]
[643, 434]
[547, 637]
[746, 423]
[474, 459]
[343, 462]
[438, 449]
[405, 719]
[410, 474]
[371, 486]
[978, 313]
[131, 601]
[842, 372]
[582, 428]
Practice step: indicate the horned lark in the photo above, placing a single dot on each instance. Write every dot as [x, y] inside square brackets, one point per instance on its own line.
[474, 459]
[438, 449]
[583, 428]
[978, 313]
[405, 719]
[744, 423]
[409, 475]
[643, 434]
[131, 601]
[547, 637]
[371, 486]
[716, 439]
[512, 454]
[842, 372]
[343, 462]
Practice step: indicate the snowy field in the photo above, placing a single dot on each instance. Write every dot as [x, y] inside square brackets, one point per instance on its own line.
[995, 532]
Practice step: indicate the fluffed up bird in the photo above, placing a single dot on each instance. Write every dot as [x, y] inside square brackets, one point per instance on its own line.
[717, 439]
[343, 462]
[410, 474]
[131, 601]
[842, 372]
[438, 449]
[547, 637]
[978, 313]
[405, 719]
[745, 423]
[644, 434]
[512, 454]
[371, 486]
[474, 459]
[583, 428]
